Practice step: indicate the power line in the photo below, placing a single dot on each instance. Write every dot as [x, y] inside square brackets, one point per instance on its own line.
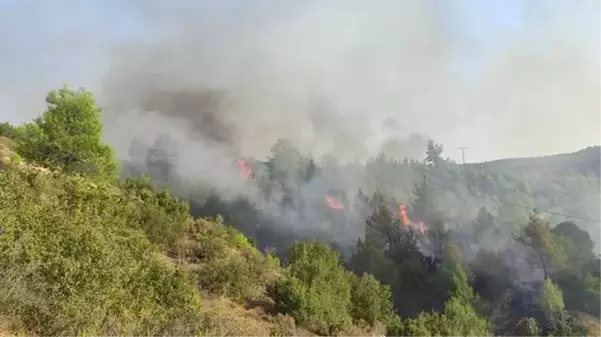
[463, 153]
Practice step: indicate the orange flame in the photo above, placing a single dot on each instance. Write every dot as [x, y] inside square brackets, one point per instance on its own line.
[404, 218]
[245, 170]
[333, 203]
[421, 228]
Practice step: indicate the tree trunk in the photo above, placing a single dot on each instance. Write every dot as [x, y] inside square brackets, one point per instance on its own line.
[544, 265]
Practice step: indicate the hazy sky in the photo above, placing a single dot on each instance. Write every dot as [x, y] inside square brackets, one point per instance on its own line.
[519, 78]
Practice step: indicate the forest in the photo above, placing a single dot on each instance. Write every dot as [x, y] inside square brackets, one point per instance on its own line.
[93, 245]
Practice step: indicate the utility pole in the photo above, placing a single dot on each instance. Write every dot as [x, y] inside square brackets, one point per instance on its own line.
[463, 154]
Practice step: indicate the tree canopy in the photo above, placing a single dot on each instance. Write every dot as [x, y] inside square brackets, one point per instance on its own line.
[68, 136]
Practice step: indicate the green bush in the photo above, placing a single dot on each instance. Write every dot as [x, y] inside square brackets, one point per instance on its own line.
[228, 264]
[237, 278]
[160, 215]
[315, 289]
[371, 301]
[79, 264]
[458, 319]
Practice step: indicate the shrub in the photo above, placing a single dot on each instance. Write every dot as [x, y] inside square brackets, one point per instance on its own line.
[371, 301]
[458, 319]
[527, 326]
[160, 215]
[315, 289]
[79, 264]
[228, 264]
[283, 326]
[237, 278]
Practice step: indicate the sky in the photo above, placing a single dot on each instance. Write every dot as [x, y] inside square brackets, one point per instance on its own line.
[48, 43]
[67, 40]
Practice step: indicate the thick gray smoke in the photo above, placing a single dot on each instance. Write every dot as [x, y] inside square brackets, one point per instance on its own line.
[345, 77]
[505, 79]
[351, 78]
[317, 73]
[232, 86]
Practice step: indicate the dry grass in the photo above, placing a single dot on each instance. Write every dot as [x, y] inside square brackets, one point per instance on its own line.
[224, 317]
[6, 142]
[228, 318]
[592, 323]
[6, 153]
[10, 326]
[9, 158]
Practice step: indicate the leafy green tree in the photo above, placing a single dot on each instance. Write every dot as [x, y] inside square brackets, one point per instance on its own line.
[315, 289]
[577, 248]
[461, 275]
[68, 136]
[579, 237]
[550, 300]
[371, 301]
[538, 236]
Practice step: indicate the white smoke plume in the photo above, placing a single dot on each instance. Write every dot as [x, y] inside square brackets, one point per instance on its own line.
[345, 77]
[388, 68]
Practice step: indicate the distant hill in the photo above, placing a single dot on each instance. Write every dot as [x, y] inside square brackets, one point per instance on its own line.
[586, 161]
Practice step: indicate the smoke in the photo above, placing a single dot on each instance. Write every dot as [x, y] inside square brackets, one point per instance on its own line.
[506, 79]
[231, 87]
[311, 77]
[348, 78]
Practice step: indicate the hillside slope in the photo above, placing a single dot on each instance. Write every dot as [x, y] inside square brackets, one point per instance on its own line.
[135, 256]
[586, 161]
[83, 252]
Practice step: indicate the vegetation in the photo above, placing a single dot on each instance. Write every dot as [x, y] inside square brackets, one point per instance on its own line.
[83, 252]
